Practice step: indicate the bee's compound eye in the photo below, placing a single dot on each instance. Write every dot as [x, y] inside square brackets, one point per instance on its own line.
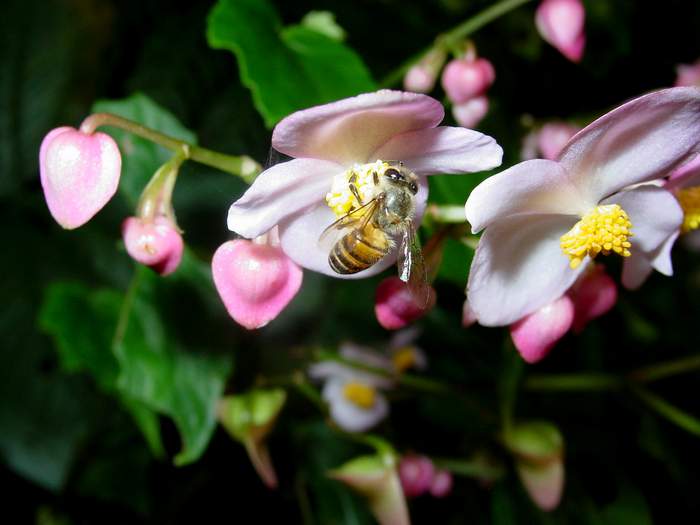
[413, 187]
[393, 174]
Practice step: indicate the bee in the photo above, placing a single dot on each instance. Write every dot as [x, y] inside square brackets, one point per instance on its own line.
[366, 234]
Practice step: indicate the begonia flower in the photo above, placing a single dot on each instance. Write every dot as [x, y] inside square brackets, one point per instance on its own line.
[416, 474]
[79, 174]
[536, 334]
[422, 75]
[593, 294]
[442, 484]
[396, 307]
[470, 113]
[543, 219]
[548, 141]
[466, 78]
[255, 279]
[355, 399]
[156, 243]
[688, 74]
[329, 143]
[560, 22]
[404, 354]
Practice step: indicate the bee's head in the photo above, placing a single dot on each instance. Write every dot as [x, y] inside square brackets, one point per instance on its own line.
[402, 177]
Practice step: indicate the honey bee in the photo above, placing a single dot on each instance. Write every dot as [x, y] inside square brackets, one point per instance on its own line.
[367, 233]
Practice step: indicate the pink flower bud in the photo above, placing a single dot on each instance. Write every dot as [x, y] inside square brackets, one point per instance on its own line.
[468, 315]
[79, 174]
[561, 23]
[422, 75]
[416, 474]
[442, 484]
[255, 281]
[544, 483]
[394, 305]
[688, 74]
[536, 334]
[469, 114]
[464, 79]
[553, 137]
[155, 243]
[594, 294]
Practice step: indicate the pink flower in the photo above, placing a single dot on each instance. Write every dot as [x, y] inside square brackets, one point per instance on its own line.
[155, 243]
[470, 113]
[688, 74]
[255, 280]
[421, 77]
[79, 174]
[548, 141]
[594, 294]
[536, 334]
[395, 306]
[543, 218]
[560, 22]
[416, 474]
[328, 142]
[442, 484]
[466, 78]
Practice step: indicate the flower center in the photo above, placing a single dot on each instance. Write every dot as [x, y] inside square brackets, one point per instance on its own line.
[357, 181]
[604, 229]
[404, 358]
[364, 396]
[689, 199]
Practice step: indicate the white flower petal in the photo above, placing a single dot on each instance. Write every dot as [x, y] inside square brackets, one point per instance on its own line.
[443, 150]
[533, 186]
[350, 130]
[299, 237]
[519, 267]
[280, 191]
[641, 140]
[635, 271]
[347, 414]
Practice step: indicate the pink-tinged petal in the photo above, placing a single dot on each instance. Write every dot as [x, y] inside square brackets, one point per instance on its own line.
[350, 130]
[471, 112]
[442, 484]
[654, 213]
[594, 294]
[688, 74]
[560, 22]
[519, 267]
[468, 315]
[537, 333]
[543, 483]
[685, 176]
[278, 192]
[553, 137]
[395, 306]
[255, 281]
[641, 140]
[534, 186]
[79, 174]
[156, 244]
[443, 150]
[299, 236]
[416, 475]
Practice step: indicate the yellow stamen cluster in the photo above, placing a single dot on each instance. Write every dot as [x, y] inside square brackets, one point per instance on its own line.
[341, 200]
[689, 199]
[605, 229]
[364, 396]
[404, 358]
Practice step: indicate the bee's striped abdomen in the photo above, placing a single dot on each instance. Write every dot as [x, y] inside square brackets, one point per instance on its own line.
[357, 251]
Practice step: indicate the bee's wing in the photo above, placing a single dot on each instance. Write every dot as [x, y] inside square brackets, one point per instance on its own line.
[412, 266]
[355, 220]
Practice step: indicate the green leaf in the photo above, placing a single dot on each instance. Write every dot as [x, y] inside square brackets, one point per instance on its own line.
[324, 22]
[286, 68]
[141, 158]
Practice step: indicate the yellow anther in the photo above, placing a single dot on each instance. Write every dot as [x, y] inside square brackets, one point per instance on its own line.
[689, 199]
[404, 358]
[341, 198]
[364, 396]
[605, 229]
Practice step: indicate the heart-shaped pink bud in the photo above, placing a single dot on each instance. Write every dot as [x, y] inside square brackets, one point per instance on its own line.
[464, 79]
[255, 281]
[442, 484]
[419, 79]
[79, 174]
[560, 22]
[594, 295]
[536, 334]
[394, 305]
[416, 474]
[156, 244]
[553, 137]
[469, 114]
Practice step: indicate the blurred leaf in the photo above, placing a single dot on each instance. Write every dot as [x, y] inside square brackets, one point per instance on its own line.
[286, 68]
[141, 158]
[324, 22]
[630, 508]
[456, 260]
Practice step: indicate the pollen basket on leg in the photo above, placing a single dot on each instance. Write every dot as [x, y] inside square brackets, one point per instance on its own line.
[689, 199]
[342, 199]
[605, 229]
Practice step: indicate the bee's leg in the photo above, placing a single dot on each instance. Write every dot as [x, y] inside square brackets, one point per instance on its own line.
[375, 178]
[356, 194]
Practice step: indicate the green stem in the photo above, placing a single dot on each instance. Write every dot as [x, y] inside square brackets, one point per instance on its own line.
[558, 382]
[664, 370]
[474, 468]
[125, 310]
[450, 39]
[668, 411]
[242, 166]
